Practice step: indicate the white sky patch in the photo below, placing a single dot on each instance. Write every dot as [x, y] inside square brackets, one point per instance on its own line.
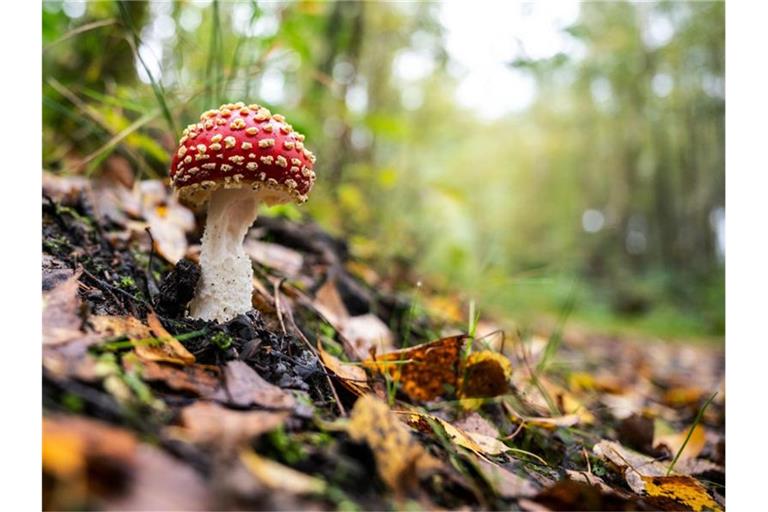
[662, 84]
[190, 18]
[74, 9]
[592, 221]
[272, 86]
[411, 65]
[484, 42]
[151, 52]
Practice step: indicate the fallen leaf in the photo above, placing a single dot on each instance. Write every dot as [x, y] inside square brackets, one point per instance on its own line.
[119, 326]
[506, 483]
[61, 321]
[329, 303]
[683, 489]
[578, 495]
[366, 332]
[161, 482]
[244, 387]
[426, 371]
[485, 374]
[353, 377]
[682, 396]
[168, 220]
[583, 381]
[634, 465]
[169, 350]
[400, 459]
[278, 257]
[199, 379]
[475, 424]
[278, 477]
[674, 441]
[208, 423]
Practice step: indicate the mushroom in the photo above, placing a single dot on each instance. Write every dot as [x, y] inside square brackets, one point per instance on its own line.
[235, 158]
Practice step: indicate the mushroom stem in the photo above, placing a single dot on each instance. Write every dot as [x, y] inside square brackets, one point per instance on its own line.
[226, 281]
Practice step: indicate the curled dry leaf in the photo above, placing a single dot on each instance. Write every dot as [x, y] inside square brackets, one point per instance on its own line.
[685, 490]
[485, 374]
[506, 483]
[244, 387]
[169, 350]
[400, 459]
[475, 424]
[674, 441]
[367, 332]
[353, 377]
[208, 423]
[286, 261]
[168, 220]
[426, 371]
[278, 477]
[61, 321]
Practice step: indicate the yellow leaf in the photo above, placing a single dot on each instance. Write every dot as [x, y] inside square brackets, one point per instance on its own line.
[683, 489]
[278, 477]
[400, 459]
[426, 371]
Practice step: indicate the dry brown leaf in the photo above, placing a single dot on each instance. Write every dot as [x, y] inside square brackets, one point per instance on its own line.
[278, 477]
[61, 321]
[475, 424]
[71, 443]
[400, 459]
[161, 482]
[485, 374]
[329, 303]
[353, 377]
[682, 396]
[683, 489]
[426, 371]
[506, 483]
[208, 423]
[366, 332]
[168, 220]
[119, 326]
[202, 380]
[244, 387]
[170, 350]
[634, 465]
[674, 441]
[286, 261]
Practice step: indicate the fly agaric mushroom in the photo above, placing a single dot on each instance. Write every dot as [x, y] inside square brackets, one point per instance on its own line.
[234, 159]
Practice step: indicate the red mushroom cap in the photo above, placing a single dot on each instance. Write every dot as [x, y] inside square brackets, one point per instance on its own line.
[241, 145]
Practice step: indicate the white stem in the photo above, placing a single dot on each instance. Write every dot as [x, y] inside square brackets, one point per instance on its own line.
[226, 281]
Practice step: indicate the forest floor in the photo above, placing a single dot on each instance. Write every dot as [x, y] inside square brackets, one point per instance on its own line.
[338, 391]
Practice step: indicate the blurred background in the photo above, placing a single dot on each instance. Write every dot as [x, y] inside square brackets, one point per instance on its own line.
[541, 159]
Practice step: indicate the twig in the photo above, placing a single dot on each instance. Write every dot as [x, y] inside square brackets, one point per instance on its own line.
[154, 289]
[276, 285]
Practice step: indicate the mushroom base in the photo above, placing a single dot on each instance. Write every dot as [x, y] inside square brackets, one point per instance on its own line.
[226, 280]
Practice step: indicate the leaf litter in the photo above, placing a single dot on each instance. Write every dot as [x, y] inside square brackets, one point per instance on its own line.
[336, 392]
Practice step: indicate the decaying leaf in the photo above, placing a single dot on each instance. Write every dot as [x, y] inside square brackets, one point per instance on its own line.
[426, 371]
[506, 483]
[473, 423]
[244, 387]
[367, 332]
[61, 322]
[672, 442]
[120, 326]
[485, 374]
[169, 350]
[683, 489]
[161, 482]
[329, 303]
[72, 443]
[199, 379]
[353, 377]
[208, 423]
[634, 465]
[168, 220]
[400, 459]
[278, 477]
[286, 261]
